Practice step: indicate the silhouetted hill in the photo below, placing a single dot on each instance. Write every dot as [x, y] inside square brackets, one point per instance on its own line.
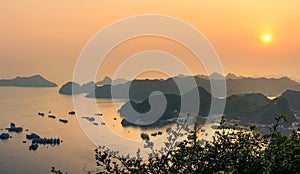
[103, 88]
[101, 92]
[241, 105]
[172, 109]
[75, 88]
[276, 106]
[173, 104]
[87, 87]
[293, 97]
[256, 108]
[205, 100]
[70, 88]
[139, 90]
[248, 108]
[32, 81]
[106, 81]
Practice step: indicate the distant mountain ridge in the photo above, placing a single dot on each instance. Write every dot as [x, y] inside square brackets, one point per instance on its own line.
[73, 88]
[233, 76]
[108, 81]
[32, 81]
[266, 86]
[235, 85]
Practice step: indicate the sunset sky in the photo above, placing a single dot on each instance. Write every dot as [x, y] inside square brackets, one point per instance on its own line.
[251, 37]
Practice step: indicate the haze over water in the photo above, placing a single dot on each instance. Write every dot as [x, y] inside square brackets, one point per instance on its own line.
[250, 38]
[21, 105]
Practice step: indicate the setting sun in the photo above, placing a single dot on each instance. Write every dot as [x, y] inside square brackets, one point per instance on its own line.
[266, 38]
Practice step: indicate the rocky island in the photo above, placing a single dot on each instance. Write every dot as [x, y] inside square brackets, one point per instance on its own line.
[32, 81]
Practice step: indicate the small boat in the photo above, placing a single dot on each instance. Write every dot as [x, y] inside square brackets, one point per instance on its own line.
[154, 134]
[90, 119]
[33, 147]
[63, 121]
[98, 114]
[72, 113]
[41, 114]
[115, 118]
[4, 136]
[96, 124]
[52, 116]
[102, 123]
[159, 133]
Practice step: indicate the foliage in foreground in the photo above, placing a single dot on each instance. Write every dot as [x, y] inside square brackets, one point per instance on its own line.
[229, 151]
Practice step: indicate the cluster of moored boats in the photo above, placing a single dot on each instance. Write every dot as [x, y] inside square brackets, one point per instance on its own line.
[12, 128]
[35, 138]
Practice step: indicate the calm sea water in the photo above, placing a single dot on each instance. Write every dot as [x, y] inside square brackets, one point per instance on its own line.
[76, 153]
[20, 105]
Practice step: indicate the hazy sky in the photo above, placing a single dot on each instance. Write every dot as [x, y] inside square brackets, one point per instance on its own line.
[46, 37]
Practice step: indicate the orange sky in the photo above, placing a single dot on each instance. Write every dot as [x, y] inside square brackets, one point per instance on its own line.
[46, 37]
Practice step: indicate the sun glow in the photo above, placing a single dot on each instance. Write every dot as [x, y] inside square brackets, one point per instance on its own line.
[266, 38]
